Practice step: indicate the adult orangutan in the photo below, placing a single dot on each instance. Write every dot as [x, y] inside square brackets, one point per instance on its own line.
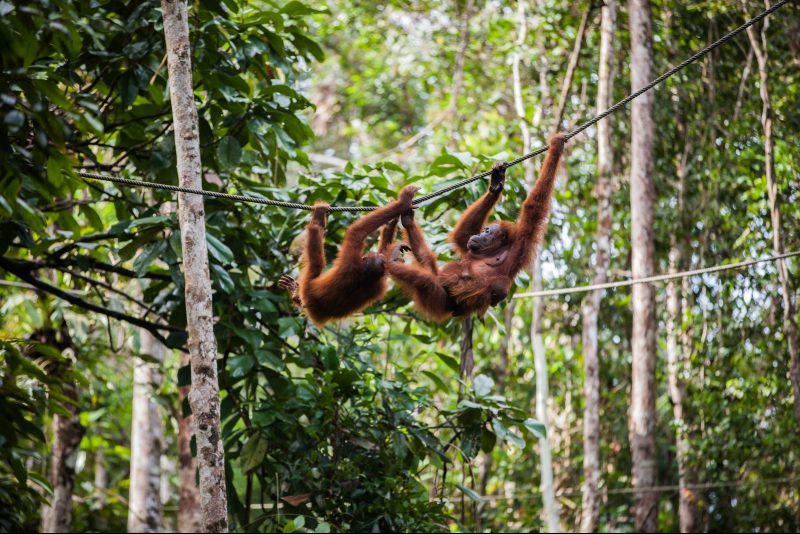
[491, 255]
[355, 280]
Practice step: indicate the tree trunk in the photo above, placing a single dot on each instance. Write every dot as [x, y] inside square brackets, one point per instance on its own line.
[67, 435]
[643, 339]
[100, 476]
[542, 393]
[189, 494]
[688, 501]
[550, 506]
[679, 348]
[144, 501]
[787, 292]
[467, 354]
[590, 511]
[204, 395]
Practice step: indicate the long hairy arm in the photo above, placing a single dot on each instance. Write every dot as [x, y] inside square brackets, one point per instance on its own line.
[472, 220]
[416, 240]
[533, 215]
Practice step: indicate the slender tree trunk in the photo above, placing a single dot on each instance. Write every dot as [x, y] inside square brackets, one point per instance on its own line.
[643, 340]
[505, 347]
[549, 504]
[67, 435]
[590, 511]
[787, 292]
[100, 477]
[204, 395]
[144, 501]
[571, 67]
[519, 103]
[467, 354]
[551, 512]
[688, 510]
[677, 361]
[458, 74]
[542, 393]
[519, 108]
[189, 493]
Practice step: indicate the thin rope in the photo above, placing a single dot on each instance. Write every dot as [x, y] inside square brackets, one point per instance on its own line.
[239, 198]
[535, 492]
[657, 278]
[622, 103]
[420, 200]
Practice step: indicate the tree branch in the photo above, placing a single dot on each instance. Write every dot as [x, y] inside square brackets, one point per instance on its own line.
[101, 266]
[57, 253]
[109, 287]
[571, 66]
[22, 272]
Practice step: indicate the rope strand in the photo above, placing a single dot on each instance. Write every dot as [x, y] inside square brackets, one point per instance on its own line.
[657, 278]
[461, 183]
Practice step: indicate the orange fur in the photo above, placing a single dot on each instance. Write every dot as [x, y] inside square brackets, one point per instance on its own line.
[479, 280]
[355, 280]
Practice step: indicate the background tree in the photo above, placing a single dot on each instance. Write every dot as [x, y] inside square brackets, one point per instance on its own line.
[359, 426]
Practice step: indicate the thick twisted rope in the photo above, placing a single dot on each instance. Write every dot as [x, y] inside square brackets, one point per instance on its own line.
[227, 196]
[461, 183]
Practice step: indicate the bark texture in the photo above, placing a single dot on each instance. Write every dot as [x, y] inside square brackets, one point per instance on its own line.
[144, 500]
[590, 502]
[787, 292]
[67, 435]
[189, 493]
[643, 339]
[204, 395]
[688, 499]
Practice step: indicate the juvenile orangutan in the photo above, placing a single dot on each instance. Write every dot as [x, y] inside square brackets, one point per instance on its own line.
[355, 280]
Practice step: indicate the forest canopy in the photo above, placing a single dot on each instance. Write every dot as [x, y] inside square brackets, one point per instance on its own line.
[665, 406]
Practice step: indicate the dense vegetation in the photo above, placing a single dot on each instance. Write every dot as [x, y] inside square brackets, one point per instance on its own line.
[371, 424]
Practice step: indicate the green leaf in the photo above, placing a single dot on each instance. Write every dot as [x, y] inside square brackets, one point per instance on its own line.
[158, 221]
[54, 171]
[241, 365]
[516, 440]
[92, 216]
[446, 164]
[482, 385]
[223, 277]
[270, 361]
[229, 153]
[437, 380]
[469, 404]
[150, 252]
[296, 8]
[219, 250]
[304, 44]
[499, 428]
[253, 452]
[470, 444]
[488, 440]
[472, 494]
[536, 428]
[330, 358]
[448, 360]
